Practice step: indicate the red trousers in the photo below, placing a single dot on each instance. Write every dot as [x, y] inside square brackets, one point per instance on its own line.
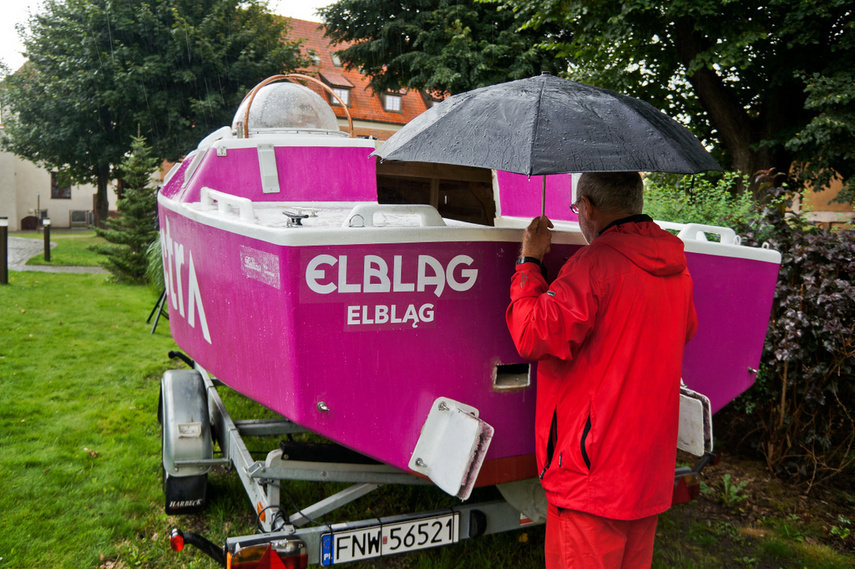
[576, 540]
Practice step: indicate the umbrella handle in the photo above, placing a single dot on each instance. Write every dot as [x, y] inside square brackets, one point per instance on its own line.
[543, 198]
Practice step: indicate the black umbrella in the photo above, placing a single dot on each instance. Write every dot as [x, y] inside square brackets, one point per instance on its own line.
[548, 125]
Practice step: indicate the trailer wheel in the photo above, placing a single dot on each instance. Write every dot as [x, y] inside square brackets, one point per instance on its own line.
[185, 436]
[160, 406]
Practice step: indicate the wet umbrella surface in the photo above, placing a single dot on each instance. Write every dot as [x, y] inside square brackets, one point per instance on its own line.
[548, 125]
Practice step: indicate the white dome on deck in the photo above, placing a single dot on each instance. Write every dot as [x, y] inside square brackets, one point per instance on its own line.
[286, 107]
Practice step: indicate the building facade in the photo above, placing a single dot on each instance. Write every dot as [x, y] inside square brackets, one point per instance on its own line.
[29, 194]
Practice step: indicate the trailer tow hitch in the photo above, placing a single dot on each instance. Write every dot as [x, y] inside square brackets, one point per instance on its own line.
[178, 539]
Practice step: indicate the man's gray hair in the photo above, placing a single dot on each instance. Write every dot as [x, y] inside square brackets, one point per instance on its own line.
[613, 192]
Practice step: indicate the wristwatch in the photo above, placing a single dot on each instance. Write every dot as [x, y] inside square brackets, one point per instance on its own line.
[534, 260]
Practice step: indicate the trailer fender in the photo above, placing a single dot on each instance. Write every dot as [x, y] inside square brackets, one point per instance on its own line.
[186, 424]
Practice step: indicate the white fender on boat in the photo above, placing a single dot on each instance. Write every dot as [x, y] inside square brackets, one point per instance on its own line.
[452, 446]
[695, 431]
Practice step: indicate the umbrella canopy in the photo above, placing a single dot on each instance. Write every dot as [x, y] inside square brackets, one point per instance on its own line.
[548, 125]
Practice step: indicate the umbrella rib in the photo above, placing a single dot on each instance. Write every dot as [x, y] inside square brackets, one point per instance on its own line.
[535, 125]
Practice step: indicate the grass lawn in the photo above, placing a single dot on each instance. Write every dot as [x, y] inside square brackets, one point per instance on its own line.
[80, 460]
[72, 248]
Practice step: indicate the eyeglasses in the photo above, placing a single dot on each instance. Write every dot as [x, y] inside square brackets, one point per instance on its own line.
[574, 207]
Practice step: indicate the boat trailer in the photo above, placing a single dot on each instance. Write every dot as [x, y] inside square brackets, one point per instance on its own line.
[193, 416]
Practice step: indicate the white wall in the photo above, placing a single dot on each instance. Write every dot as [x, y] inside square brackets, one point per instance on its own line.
[8, 203]
[24, 188]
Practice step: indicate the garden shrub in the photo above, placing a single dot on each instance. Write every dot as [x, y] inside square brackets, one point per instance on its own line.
[130, 234]
[800, 413]
[803, 401]
[711, 199]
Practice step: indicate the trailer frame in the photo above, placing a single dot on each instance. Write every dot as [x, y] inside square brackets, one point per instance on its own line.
[290, 536]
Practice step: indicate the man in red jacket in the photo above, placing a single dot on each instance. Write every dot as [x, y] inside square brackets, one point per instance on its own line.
[608, 334]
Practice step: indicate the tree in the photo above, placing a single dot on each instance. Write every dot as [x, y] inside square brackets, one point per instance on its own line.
[768, 83]
[131, 233]
[438, 46]
[98, 69]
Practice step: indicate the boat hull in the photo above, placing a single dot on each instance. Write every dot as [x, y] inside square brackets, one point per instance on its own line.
[355, 332]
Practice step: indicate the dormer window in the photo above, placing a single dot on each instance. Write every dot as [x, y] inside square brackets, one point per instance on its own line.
[340, 85]
[393, 102]
[343, 94]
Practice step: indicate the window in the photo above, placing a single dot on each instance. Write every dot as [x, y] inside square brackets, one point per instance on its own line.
[392, 102]
[339, 84]
[336, 60]
[60, 189]
[344, 95]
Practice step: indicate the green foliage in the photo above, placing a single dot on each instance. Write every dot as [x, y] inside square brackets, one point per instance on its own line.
[804, 396]
[831, 99]
[438, 46]
[729, 494]
[98, 70]
[801, 409]
[133, 231]
[765, 82]
[840, 533]
[710, 199]
[154, 266]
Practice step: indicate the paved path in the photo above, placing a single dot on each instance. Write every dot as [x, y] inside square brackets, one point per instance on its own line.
[22, 249]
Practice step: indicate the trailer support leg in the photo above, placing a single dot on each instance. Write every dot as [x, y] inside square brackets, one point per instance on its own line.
[327, 505]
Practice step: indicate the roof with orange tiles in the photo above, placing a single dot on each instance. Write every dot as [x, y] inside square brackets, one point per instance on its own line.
[365, 104]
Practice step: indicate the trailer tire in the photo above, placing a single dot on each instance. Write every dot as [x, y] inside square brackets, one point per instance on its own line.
[160, 406]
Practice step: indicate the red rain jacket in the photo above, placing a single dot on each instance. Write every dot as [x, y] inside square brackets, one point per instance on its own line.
[608, 334]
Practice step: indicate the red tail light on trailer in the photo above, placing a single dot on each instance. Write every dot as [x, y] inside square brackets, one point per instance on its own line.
[176, 540]
[686, 488]
[286, 554]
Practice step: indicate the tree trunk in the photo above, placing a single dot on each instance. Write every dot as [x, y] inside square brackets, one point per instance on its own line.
[102, 201]
[740, 134]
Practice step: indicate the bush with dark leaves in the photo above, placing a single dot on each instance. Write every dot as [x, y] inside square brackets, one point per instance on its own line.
[804, 399]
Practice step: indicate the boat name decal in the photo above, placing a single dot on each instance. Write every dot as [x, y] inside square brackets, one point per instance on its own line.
[323, 278]
[173, 261]
[383, 314]
[327, 274]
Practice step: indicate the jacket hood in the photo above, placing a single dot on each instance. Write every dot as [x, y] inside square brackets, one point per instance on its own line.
[648, 246]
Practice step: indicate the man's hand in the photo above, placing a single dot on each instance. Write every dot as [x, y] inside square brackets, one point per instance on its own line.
[537, 238]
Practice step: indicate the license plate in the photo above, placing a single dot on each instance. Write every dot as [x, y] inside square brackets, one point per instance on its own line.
[389, 538]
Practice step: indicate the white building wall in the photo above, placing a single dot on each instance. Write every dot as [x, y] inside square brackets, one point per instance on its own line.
[25, 188]
[8, 199]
